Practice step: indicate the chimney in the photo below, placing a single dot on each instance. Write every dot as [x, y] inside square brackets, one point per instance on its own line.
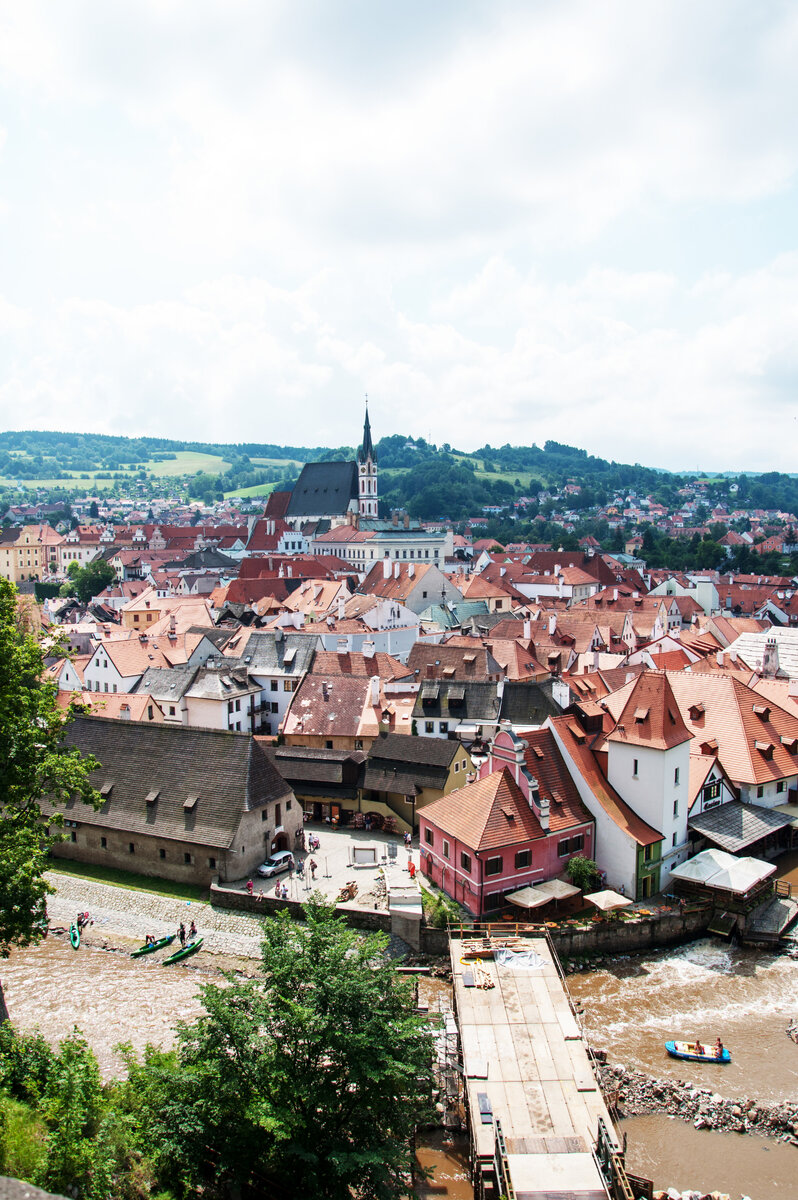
[527, 630]
[375, 690]
[173, 624]
[369, 649]
[411, 570]
[342, 646]
[395, 518]
[396, 570]
[386, 568]
[500, 690]
[552, 623]
[407, 521]
[556, 568]
[770, 658]
[297, 620]
[325, 690]
[341, 607]
[615, 593]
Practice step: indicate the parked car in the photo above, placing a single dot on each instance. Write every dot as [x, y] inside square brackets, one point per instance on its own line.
[275, 863]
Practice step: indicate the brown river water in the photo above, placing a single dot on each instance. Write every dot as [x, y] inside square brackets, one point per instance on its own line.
[703, 989]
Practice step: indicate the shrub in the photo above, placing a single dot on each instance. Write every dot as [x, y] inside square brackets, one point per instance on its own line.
[22, 1136]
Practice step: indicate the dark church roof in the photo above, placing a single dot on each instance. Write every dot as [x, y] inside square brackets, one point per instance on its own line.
[324, 489]
[366, 451]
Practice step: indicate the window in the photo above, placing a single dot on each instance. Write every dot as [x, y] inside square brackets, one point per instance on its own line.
[275, 706]
[73, 836]
[780, 785]
[465, 862]
[676, 777]
[149, 712]
[212, 863]
[114, 687]
[493, 902]
[760, 791]
[674, 839]
[171, 710]
[428, 836]
[131, 847]
[328, 744]
[457, 766]
[289, 685]
[493, 866]
[288, 806]
[429, 726]
[424, 595]
[634, 768]
[711, 790]
[274, 685]
[522, 859]
[570, 845]
[264, 815]
[103, 843]
[676, 808]
[186, 857]
[358, 743]
[278, 815]
[238, 706]
[648, 853]
[105, 687]
[162, 853]
[445, 848]
[443, 726]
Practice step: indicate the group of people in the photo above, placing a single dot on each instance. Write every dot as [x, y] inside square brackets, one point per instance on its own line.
[181, 933]
[717, 1049]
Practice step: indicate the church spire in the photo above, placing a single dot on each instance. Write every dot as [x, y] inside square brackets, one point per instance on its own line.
[366, 450]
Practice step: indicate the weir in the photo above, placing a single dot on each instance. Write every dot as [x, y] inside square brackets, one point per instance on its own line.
[538, 1124]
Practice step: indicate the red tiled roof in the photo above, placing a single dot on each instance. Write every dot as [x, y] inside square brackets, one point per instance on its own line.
[651, 716]
[486, 815]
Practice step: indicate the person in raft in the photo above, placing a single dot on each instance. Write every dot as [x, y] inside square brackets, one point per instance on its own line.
[149, 940]
[699, 1049]
[718, 1048]
[192, 931]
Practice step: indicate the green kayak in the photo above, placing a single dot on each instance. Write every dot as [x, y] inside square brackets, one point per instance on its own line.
[153, 946]
[74, 936]
[184, 952]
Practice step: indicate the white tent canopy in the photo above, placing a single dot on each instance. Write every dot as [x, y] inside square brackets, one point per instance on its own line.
[608, 900]
[726, 872]
[542, 893]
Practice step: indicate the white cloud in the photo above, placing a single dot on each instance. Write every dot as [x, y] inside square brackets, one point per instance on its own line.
[232, 220]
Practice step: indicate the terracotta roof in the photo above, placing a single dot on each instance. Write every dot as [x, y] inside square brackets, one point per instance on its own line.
[576, 745]
[486, 815]
[651, 716]
[545, 762]
[329, 662]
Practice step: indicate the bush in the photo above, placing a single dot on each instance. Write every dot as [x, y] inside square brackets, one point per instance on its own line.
[22, 1136]
[439, 910]
[583, 873]
[26, 1061]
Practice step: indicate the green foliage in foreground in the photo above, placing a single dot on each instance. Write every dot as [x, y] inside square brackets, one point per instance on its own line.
[583, 873]
[305, 1081]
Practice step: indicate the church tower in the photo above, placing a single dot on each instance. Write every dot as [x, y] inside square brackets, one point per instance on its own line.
[367, 472]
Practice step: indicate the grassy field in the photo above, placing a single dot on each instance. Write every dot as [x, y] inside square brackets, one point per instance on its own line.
[257, 489]
[127, 879]
[186, 462]
[277, 462]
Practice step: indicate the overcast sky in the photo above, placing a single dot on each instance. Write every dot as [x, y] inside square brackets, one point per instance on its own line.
[504, 222]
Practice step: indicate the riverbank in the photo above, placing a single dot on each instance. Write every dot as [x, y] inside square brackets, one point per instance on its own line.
[638, 1094]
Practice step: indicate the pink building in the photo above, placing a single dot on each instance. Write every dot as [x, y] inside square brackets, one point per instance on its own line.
[517, 824]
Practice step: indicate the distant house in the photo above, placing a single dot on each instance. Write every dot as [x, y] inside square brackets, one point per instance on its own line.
[183, 804]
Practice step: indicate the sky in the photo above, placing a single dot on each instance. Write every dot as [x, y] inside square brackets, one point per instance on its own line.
[504, 222]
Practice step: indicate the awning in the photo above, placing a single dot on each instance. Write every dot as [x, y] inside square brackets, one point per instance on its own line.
[528, 897]
[542, 893]
[607, 900]
[715, 869]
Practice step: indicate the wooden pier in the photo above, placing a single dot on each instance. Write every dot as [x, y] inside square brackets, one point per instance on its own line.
[539, 1126]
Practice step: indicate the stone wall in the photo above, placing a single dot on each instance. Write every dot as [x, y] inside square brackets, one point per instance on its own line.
[623, 937]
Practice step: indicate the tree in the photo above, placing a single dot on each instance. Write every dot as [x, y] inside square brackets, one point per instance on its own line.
[92, 579]
[583, 872]
[34, 764]
[94, 511]
[306, 1081]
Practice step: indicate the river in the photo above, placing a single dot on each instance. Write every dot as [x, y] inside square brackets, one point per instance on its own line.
[703, 989]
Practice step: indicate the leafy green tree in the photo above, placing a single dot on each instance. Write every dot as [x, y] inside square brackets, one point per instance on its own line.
[92, 579]
[309, 1078]
[34, 763]
[583, 872]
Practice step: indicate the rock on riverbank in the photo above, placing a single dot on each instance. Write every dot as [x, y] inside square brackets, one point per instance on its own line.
[638, 1094]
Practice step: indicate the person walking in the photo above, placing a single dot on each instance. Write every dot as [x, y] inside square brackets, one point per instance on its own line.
[313, 868]
[181, 933]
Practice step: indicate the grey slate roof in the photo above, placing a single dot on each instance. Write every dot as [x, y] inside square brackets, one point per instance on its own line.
[477, 703]
[168, 684]
[314, 771]
[527, 703]
[278, 654]
[324, 489]
[228, 772]
[398, 763]
[734, 825]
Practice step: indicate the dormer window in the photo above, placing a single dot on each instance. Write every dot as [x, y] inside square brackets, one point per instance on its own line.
[762, 711]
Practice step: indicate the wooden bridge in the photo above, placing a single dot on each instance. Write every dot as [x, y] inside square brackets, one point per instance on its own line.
[539, 1126]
